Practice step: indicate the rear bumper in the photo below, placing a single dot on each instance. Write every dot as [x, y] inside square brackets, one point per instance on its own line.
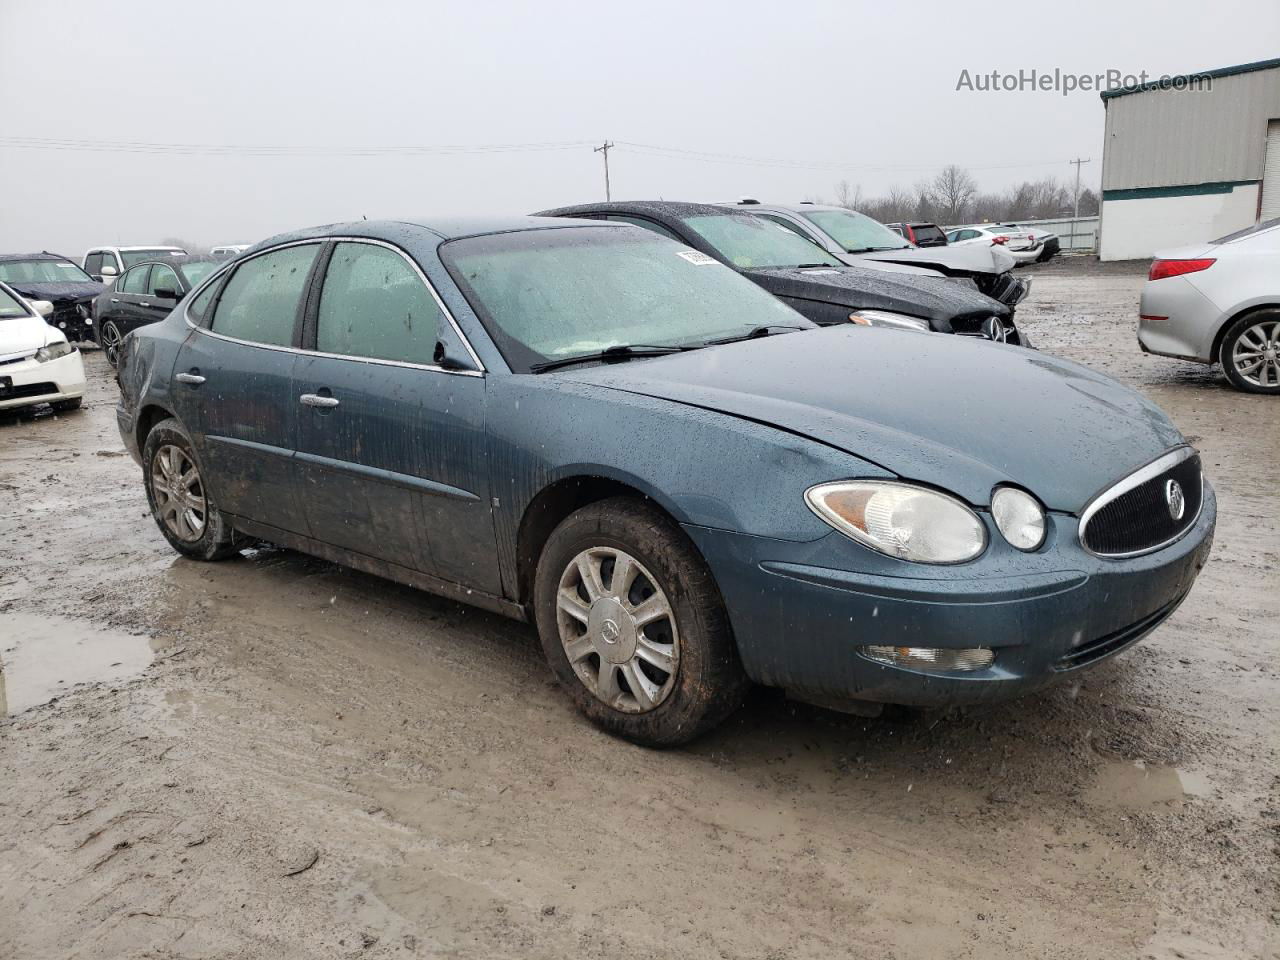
[30, 382]
[801, 612]
[1177, 320]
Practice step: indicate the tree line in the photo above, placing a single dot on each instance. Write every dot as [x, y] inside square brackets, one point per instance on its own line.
[953, 197]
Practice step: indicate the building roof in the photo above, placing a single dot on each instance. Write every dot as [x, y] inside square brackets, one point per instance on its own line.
[1171, 82]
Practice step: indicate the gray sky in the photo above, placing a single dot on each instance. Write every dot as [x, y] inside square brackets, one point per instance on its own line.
[838, 89]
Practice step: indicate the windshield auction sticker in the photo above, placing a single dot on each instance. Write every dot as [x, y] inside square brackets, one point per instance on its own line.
[696, 257]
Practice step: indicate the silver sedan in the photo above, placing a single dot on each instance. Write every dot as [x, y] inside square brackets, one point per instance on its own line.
[1219, 302]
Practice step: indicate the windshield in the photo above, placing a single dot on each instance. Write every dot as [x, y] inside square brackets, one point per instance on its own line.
[42, 271]
[131, 257]
[748, 242]
[549, 294]
[855, 232]
[196, 272]
[9, 307]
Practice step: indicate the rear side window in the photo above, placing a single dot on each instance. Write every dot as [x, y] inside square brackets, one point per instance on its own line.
[373, 304]
[135, 280]
[260, 301]
[196, 309]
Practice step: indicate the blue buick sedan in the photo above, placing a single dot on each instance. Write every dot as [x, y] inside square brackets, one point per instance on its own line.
[683, 483]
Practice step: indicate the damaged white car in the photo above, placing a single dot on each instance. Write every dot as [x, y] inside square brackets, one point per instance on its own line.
[37, 364]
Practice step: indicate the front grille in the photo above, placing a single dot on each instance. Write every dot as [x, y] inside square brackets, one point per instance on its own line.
[1105, 646]
[1138, 517]
[28, 390]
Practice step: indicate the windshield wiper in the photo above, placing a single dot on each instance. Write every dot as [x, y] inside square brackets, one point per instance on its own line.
[620, 351]
[755, 333]
[876, 249]
[806, 266]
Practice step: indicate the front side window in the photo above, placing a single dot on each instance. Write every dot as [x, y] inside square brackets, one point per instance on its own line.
[553, 294]
[260, 301]
[135, 280]
[854, 232]
[196, 272]
[163, 278]
[374, 304]
[93, 264]
[750, 242]
[42, 271]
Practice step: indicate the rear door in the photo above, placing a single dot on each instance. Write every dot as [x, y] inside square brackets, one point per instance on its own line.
[234, 385]
[391, 446]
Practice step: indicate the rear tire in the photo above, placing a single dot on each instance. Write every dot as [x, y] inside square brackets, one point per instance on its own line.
[653, 657]
[1250, 352]
[180, 503]
[109, 338]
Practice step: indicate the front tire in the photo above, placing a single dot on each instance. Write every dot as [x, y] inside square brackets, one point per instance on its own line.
[179, 500]
[110, 336]
[1250, 352]
[633, 625]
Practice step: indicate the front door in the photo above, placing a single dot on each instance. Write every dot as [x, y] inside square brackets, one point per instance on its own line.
[390, 446]
[233, 384]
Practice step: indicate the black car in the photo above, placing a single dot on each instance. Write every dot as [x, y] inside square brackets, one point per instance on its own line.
[808, 278]
[48, 276]
[145, 293]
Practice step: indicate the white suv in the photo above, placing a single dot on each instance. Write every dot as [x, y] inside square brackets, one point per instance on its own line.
[107, 263]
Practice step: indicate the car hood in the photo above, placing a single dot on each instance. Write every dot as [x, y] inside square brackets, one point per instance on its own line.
[59, 291]
[23, 336]
[960, 414]
[951, 259]
[934, 298]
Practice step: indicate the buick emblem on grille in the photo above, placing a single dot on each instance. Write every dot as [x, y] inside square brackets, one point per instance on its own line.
[995, 330]
[1174, 497]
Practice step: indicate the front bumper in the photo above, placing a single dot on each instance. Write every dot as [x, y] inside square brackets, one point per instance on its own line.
[24, 383]
[802, 611]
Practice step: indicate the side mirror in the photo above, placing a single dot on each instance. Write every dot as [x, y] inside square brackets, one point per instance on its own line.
[109, 271]
[42, 307]
[442, 359]
[164, 293]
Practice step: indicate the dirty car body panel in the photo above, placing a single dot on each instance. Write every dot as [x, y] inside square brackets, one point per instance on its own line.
[450, 466]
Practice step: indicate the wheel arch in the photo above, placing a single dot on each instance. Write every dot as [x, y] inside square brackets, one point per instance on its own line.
[562, 497]
[1221, 333]
[148, 417]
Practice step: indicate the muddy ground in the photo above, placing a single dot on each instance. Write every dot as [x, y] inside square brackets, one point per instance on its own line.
[281, 758]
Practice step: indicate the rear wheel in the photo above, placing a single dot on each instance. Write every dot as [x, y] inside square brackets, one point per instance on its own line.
[632, 624]
[1250, 352]
[179, 499]
[110, 337]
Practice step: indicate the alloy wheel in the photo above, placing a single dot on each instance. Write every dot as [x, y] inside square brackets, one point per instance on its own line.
[111, 342]
[179, 493]
[1256, 354]
[618, 629]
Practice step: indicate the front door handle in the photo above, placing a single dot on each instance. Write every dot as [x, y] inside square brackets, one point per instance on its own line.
[192, 378]
[315, 400]
[145, 303]
[115, 299]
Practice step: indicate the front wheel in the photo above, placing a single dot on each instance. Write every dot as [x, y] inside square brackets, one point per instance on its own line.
[110, 337]
[633, 625]
[179, 499]
[1250, 352]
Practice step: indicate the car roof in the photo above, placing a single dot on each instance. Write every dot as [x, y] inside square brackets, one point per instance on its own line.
[445, 228]
[655, 208]
[42, 255]
[144, 246]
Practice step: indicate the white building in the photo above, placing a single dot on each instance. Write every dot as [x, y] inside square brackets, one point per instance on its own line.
[1190, 160]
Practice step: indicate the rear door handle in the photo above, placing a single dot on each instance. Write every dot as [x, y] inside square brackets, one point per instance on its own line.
[315, 400]
[192, 378]
[115, 299]
[145, 303]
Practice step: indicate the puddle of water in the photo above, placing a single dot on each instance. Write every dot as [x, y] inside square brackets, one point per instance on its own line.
[1136, 784]
[42, 657]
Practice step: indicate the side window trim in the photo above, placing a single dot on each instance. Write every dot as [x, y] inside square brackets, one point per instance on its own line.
[313, 309]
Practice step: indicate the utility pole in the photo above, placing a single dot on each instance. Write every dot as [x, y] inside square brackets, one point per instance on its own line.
[1078, 162]
[604, 148]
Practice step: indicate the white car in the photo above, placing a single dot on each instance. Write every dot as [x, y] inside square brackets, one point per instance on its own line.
[228, 250]
[1219, 301]
[1019, 244]
[107, 263]
[37, 364]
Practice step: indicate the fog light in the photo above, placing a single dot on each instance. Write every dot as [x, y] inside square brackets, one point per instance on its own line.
[931, 658]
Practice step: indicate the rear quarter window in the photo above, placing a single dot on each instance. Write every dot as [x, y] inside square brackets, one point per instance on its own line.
[259, 303]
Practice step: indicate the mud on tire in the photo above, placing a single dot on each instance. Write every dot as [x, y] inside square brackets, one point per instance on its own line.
[707, 682]
[213, 538]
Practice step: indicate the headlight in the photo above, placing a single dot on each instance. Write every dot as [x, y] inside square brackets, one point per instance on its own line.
[884, 318]
[52, 351]
[1019, 517]
[903, 521]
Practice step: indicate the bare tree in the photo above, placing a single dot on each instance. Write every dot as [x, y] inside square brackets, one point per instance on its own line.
[849, 197]
[952, 191]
